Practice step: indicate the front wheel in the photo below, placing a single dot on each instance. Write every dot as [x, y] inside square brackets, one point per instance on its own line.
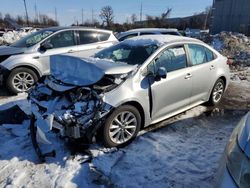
[122, 126]
[217, 93]
[21, 80]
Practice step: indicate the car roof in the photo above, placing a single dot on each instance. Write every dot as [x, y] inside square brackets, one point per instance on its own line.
[151, 29]
[55, 29]
[156, 30]
[158, 40]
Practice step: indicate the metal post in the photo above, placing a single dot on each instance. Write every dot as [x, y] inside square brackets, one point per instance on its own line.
[82, 16]
[141, 13]
[27, 17]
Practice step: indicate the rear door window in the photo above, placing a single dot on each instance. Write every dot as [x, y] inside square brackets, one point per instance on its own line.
[88, 37]
[200, 54]
[103, 36]
[210, 55]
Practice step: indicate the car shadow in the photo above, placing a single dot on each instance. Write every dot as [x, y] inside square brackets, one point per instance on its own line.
[4, 92]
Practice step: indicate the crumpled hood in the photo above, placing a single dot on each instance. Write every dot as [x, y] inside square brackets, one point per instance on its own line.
[84, 72]
[110, 67]
[244, 136]
[8, 50]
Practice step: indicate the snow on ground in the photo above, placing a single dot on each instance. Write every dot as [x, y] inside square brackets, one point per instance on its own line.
[183, 153]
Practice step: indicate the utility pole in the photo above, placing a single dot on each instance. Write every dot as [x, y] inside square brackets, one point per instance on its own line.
[92, 16]
[27, 17]
[55, 14]
[141, 13]
[36, 14]
[82, 16]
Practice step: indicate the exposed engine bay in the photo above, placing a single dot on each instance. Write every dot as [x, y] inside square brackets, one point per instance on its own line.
[73, 111]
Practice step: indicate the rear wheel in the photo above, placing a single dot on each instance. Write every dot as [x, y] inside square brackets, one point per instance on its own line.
[217, 93]
[21, 80]
[122, 126]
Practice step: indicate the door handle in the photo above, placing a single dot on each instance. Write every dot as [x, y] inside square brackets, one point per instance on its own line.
[212, 67]
[36, 57]
[188, 76]
[98, 47]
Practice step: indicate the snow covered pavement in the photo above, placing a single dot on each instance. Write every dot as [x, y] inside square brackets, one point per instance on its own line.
[184, 153]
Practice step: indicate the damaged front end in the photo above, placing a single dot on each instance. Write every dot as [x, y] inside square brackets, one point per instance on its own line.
[74, 109]
[76, 113]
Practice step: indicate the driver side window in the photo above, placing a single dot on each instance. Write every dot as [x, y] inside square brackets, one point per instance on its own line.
[62, 39]
[173, 58]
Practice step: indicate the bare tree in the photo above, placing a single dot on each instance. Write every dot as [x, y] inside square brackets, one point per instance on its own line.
[159, 21]
[107, 15]
[166, 14]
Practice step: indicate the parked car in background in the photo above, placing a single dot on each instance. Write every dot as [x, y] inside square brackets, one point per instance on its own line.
[28, 29]
[23, 62]
[235, 166]
[147, 31]
[127, 86]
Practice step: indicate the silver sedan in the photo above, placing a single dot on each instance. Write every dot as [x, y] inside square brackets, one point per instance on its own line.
[135, 83]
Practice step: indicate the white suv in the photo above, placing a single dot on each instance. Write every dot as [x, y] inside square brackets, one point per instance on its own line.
[24, 62]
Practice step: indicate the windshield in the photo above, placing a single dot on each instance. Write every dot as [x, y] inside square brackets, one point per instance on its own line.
[130, 54]
[32, 39]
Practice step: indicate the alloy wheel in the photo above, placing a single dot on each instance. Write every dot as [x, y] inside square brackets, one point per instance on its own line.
[218, 92]
[22, 81]
[123, 127]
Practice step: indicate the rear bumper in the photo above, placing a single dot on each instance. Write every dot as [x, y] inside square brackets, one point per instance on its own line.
[4, 73]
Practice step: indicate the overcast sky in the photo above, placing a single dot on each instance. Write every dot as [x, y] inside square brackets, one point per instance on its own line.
[70, 11]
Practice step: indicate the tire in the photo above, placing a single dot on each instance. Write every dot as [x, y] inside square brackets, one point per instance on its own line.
[21, 79]
[111, 126]
[217, 93]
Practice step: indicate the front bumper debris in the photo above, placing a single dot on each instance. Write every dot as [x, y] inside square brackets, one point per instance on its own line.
[33, 134]
[76, 115]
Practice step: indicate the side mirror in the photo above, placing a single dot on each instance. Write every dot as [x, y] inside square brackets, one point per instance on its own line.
[161, 74]
[46, 46]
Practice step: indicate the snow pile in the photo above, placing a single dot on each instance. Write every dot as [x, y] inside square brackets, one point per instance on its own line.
[235, 46]
[12, 36]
